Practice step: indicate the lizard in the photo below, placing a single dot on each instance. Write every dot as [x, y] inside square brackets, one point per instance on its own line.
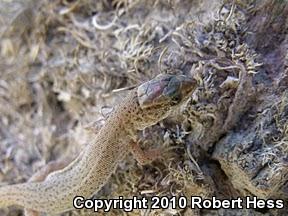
[143, 106]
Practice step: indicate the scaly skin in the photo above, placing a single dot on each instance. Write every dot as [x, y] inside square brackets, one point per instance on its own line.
[143, 107]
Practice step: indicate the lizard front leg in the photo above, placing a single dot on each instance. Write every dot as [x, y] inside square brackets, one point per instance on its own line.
[144, 157]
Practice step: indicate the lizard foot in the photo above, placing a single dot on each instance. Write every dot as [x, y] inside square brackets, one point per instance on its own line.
[144, 157]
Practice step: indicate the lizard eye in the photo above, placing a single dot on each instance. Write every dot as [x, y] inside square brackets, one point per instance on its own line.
[176, 100]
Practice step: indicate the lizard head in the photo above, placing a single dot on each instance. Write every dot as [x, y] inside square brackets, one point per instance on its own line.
[159, 96]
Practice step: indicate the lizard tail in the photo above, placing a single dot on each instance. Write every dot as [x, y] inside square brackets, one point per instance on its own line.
[50, 197]
[19, 195]
[9, 195]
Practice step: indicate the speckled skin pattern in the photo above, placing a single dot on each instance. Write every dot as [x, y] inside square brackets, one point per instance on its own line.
[143, 106]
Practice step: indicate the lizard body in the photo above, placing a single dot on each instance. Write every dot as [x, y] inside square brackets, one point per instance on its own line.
[142, 107]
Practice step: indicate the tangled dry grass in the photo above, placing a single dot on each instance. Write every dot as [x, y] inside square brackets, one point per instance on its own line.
[65, 64]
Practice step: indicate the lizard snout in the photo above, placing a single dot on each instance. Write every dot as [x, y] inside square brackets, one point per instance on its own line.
[165, 89]
[179, 88]
[187, 85]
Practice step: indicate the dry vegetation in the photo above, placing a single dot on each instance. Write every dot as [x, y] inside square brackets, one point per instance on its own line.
[65, 63]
